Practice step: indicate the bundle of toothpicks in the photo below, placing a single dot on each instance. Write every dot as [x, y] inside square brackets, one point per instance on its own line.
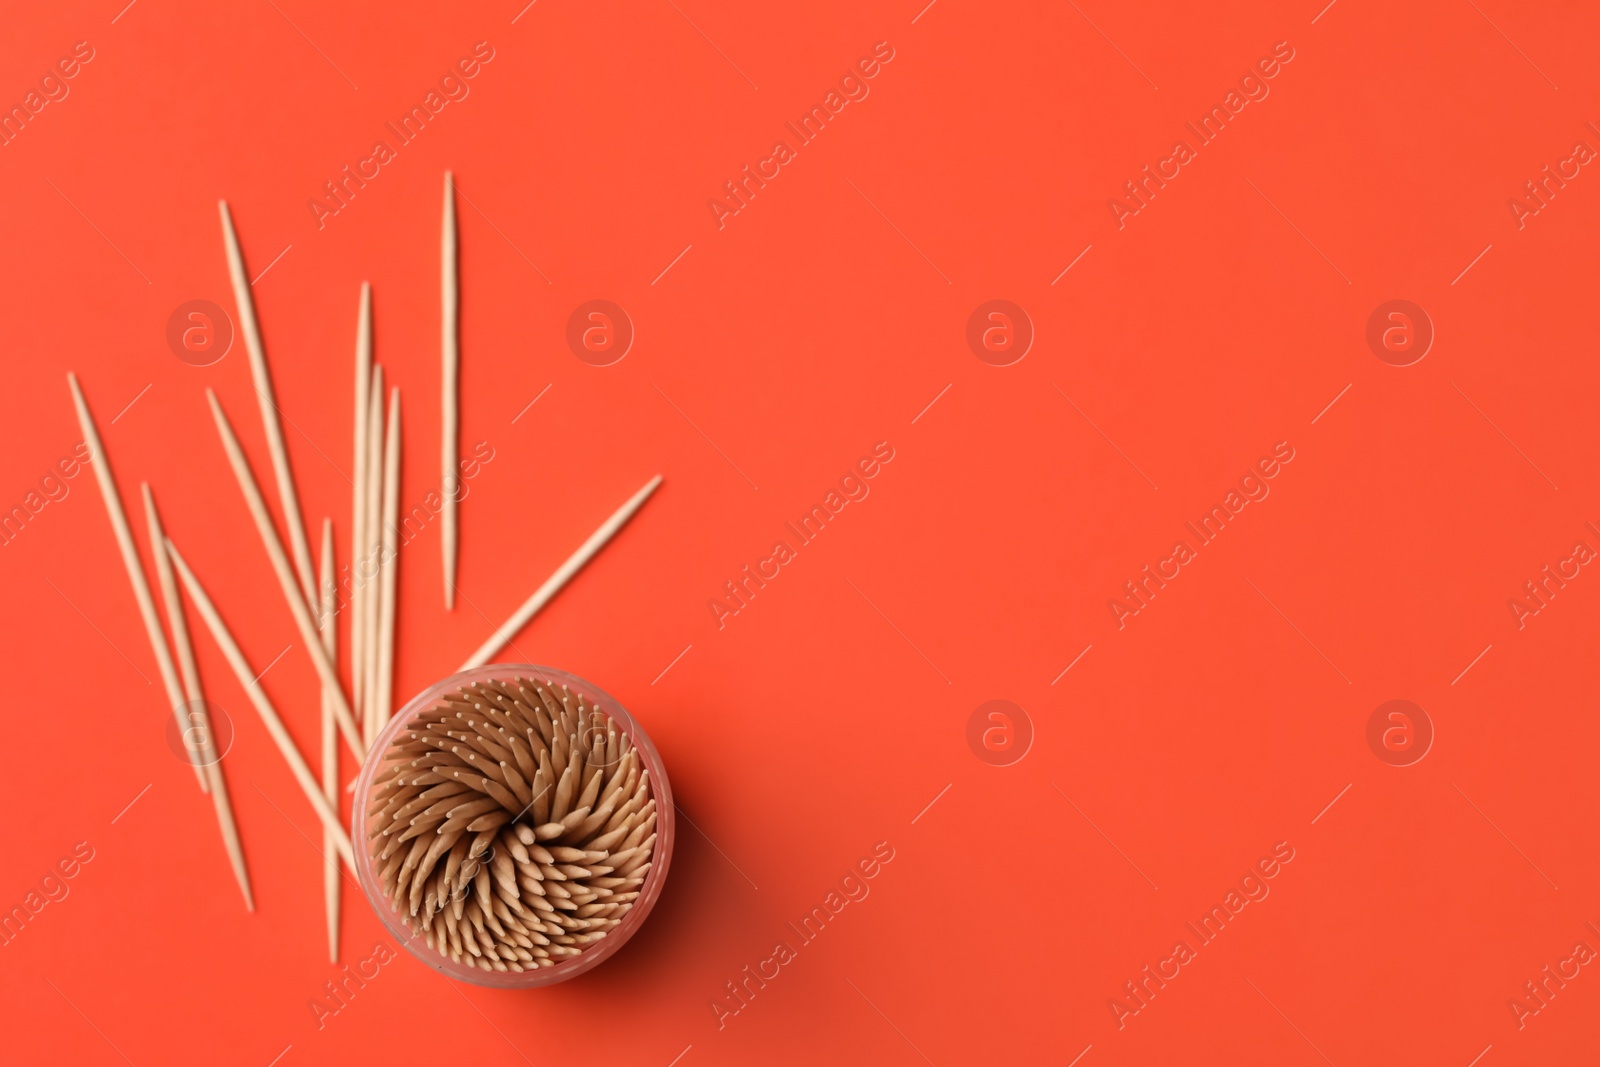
[310, 590]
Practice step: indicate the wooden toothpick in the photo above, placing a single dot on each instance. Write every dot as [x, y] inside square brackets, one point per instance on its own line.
[330, 740]
[269, 715]
[391, 563]
[130, 560]
[196, 707]
[372, 556]
[358, 505]
[449, 423]
[280, 563]
[281, 470]
[561, 577]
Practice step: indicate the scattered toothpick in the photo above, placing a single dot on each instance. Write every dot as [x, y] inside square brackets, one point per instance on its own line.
[269, 715]
[450, 414]
[330, 740]
[130, 560]
[269, 407]
[358, 503]
[201, 729]
[390, 533]
[541, 596]
[280, 563]
[372, 558]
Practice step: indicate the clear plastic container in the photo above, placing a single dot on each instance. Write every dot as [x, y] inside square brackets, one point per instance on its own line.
[592, 956]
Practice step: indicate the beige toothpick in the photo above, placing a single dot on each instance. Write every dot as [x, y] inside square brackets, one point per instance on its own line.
[449, 295]
[372, 558]
[198, 714]
[330, 739]
[130, 560]
[269, 407]
[280, 563]
[358, 505]
[390, 531]
[561, 577]
[269, 715]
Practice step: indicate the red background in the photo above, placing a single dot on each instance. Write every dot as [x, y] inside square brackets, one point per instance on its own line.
[820, 320]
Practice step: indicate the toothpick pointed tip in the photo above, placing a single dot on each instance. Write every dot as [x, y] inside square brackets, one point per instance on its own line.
[78, 402]
[219, 416]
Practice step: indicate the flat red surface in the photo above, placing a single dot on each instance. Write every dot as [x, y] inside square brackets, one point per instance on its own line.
[1172, 748]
